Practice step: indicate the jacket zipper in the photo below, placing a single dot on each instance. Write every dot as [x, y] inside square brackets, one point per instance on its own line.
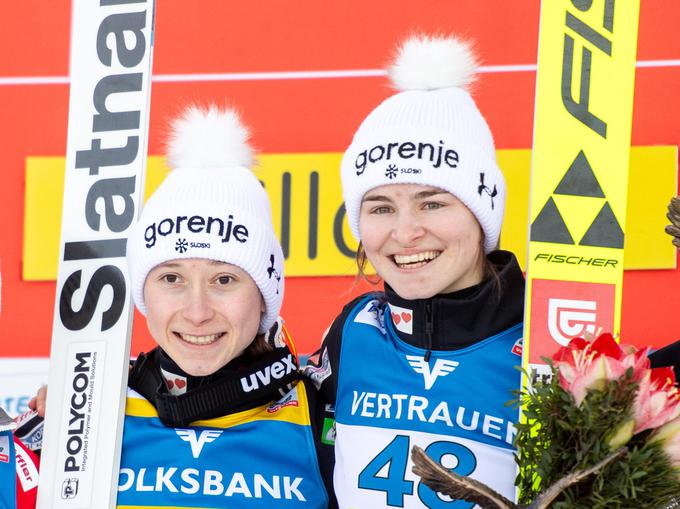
[429, 328]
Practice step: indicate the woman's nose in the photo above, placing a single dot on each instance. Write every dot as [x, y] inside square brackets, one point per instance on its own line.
[407, 229]
[197, 308]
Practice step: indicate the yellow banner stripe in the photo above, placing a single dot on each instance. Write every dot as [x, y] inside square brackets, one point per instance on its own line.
[297, 183]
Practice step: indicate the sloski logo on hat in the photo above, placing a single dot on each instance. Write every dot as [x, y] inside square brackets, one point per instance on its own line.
[181, 246]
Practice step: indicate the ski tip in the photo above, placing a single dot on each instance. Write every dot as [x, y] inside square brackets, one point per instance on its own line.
[208, 137]
[428, 62]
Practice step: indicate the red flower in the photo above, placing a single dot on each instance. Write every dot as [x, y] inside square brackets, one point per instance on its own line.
[657, 400]
[584, 365]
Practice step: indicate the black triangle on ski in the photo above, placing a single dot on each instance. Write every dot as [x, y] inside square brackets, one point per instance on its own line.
[549, 226]
[605, 230]
[580, 179]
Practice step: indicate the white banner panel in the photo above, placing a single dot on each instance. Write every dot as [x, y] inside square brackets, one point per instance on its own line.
[20, 378]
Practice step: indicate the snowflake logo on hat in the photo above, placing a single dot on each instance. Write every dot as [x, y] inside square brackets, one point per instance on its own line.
[484, 188]
[181, 246]
[391, 171]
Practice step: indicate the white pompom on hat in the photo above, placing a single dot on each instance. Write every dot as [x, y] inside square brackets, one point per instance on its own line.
[428, 63]
[208, 138]
[209, 206]
[430, 133]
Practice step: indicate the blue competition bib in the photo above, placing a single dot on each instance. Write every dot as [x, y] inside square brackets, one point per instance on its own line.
[390, 399]
[259, 458]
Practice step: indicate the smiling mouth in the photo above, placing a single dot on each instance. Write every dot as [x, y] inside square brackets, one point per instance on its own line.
[416, 260]
[199, 340]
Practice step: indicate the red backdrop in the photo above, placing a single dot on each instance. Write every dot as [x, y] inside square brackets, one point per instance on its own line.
[303, 115]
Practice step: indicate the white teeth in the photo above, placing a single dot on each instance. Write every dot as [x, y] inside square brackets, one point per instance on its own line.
[199, 340]
[415, 258]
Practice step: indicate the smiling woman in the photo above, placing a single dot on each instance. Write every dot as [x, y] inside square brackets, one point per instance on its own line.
[202, 313]
[209, 409]
[431, 360]
[414, 233]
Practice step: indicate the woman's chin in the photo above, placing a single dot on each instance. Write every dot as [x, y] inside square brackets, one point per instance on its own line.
[413, 292]
[202, 367]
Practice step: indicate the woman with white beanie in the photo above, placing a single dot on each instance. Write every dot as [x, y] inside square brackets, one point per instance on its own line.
[216, 415]
[430, 361]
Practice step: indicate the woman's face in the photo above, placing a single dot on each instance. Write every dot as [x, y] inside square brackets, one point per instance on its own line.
[202, 313]
[421, 240]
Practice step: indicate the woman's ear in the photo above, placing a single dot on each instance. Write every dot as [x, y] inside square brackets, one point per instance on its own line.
[263, 307]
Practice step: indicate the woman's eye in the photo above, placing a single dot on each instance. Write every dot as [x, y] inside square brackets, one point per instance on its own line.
[432, 205]
[381, 210]
[170, 278]
[224, 280]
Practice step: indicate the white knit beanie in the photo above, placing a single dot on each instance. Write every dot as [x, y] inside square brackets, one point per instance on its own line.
[429, 133]
[211, 206]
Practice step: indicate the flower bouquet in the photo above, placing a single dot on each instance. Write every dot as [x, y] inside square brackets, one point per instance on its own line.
[604, 432]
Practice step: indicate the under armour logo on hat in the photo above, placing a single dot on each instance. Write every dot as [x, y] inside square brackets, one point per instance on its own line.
[483, 188]
[272, 272]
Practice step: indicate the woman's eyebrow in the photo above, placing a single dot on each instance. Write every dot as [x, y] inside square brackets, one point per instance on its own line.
[170, 265]
[376, 197]
[427, 194]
